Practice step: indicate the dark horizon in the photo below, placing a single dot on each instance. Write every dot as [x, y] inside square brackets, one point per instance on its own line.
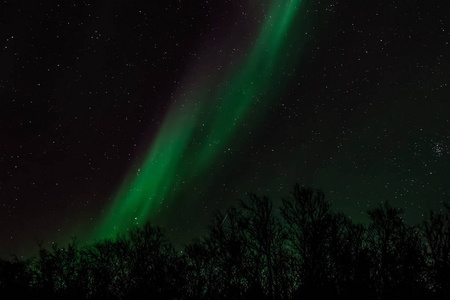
[179, 243]
[252, 251]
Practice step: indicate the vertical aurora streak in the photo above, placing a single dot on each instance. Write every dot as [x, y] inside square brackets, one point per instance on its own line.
[195, 134]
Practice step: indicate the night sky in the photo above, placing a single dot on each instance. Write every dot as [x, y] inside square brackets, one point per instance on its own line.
[113, 113]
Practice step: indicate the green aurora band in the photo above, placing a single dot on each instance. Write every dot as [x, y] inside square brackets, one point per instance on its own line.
[196, 133]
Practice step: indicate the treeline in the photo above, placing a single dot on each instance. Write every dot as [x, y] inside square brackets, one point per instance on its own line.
[301, 250]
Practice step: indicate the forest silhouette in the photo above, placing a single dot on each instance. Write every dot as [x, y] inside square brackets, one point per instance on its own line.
[300, 250]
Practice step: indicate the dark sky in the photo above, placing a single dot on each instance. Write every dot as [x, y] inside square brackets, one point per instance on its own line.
[362, 112]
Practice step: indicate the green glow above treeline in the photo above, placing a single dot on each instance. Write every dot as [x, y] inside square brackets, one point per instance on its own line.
[196, 133]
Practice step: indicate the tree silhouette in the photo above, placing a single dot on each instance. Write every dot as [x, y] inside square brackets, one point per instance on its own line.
[437, 233]
[397, 253]
[15, 278]
[348, 258]
[308, 221]
[265, 243]
[200, 269]
[252, 251]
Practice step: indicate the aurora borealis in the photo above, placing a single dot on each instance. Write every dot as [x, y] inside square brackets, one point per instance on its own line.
[193, 136]
[118, 113]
